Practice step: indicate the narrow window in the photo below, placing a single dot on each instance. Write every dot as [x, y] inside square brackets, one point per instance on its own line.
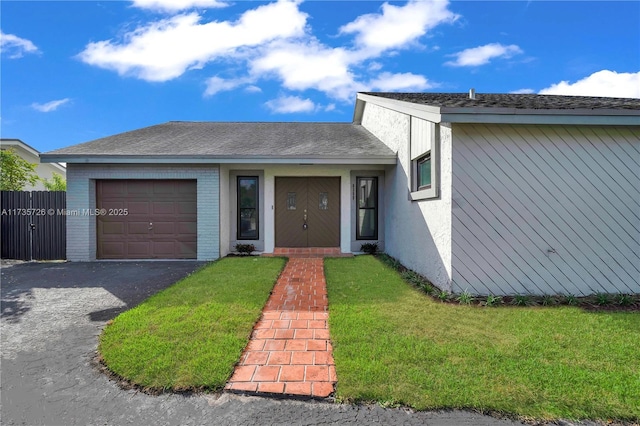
[424, 172]
[248, 208]
[367, 226]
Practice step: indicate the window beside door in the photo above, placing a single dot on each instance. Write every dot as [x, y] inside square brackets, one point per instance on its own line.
[367, 208]
[248, 223]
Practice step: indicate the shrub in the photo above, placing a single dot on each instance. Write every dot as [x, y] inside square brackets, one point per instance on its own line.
[443, 296]
[623, 299]
[465, 298]
[521, 300]
[369, 248]
[493, 300]
[245, 249]
[571, 300]
[602, 299]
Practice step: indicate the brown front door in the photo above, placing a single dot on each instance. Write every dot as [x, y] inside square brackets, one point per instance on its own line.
[307, 212]
[147, 219]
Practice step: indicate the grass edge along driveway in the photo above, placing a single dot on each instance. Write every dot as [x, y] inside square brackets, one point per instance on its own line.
[394, 345]
[190, 335]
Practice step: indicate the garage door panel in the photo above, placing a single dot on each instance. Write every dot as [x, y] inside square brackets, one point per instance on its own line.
[163, 248]
[186, 208]
[163, 207]
[187, 249]
[138, 248]
[113, 249]
[113, 189]
[141, 228]
[169, 205]
[160, 228]
[138, 207]
[113, 228]
[187, 228]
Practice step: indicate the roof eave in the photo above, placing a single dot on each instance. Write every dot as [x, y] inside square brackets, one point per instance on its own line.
[165, 159]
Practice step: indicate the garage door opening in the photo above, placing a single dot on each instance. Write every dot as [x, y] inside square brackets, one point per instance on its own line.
[147, 219]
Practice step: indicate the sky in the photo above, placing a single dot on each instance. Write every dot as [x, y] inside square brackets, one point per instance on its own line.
[75, 71]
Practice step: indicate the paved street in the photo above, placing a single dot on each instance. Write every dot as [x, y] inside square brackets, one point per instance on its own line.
[52, 314]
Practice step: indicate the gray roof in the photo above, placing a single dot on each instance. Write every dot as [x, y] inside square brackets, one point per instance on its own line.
[518, 101]
[229, 140]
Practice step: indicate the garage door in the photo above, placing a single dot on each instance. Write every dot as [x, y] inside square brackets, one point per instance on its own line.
[147, 219]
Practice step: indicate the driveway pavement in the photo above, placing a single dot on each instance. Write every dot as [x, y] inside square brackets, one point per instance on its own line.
[52, 314]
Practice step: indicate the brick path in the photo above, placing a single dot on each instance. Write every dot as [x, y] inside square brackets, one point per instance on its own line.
[290, 351]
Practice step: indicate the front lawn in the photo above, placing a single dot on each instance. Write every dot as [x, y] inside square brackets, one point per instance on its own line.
[191, 334]
[395, 345]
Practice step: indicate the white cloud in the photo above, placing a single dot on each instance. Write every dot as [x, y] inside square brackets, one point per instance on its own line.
[49, 106]
[388, 82]
[330, 107]
[253, 89]
[601, 83]
[290, 104]
[165, 49]
[481, 55]
[523, 92]
[15, 46]
[272, 41]
[176, 5]
[217, 84]
[398, 26]
[309, 66]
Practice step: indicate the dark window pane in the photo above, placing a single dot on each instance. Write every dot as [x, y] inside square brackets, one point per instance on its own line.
[424, 172]
[366, 193]
[291, 200]
[248, 208]
[248, 223]
[248, 192]
[367, 216]
[323, 201]
[367, 223]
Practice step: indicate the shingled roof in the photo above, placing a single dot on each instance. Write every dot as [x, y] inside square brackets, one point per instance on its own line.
[518, 101]
[233, 140]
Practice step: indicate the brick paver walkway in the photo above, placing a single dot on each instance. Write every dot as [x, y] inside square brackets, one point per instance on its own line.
[290, 351]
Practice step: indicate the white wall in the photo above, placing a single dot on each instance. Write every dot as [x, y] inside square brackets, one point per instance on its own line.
[546, 209]
[418, 233]
[81, 230]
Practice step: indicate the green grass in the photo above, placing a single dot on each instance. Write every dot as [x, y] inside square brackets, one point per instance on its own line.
[191, 334]
[395, 345]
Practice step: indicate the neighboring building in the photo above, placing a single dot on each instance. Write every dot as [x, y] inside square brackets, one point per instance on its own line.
[499, 194]
[43, 170]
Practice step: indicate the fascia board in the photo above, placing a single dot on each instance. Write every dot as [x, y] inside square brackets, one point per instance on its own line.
[426, 112]
[122, 159]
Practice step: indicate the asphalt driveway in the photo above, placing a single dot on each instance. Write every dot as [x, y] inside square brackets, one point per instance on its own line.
[52, 314]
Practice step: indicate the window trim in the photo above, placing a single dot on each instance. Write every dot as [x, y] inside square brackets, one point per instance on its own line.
[358, 208]
[417, 193]
[239, 236]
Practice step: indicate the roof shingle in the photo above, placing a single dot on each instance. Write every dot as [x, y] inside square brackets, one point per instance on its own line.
[240, 139]
[517, 101]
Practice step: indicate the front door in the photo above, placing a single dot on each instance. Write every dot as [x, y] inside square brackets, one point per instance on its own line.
[307, 211]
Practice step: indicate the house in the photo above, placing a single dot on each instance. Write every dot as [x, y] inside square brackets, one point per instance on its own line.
[489, 193]
[32, 155]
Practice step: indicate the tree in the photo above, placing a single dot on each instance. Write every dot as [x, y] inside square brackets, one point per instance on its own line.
[57, 183]
[15, 171]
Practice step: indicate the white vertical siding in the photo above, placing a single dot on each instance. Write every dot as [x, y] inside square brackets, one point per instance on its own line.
[423, 133]
[418, 233]
[546, 209]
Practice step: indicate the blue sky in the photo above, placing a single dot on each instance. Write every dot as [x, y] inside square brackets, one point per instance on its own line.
[74, 71]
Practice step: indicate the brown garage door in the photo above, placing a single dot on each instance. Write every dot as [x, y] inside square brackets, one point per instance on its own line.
[160, 220]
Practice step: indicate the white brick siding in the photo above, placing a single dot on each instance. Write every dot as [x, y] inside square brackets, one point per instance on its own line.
[81, 194]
